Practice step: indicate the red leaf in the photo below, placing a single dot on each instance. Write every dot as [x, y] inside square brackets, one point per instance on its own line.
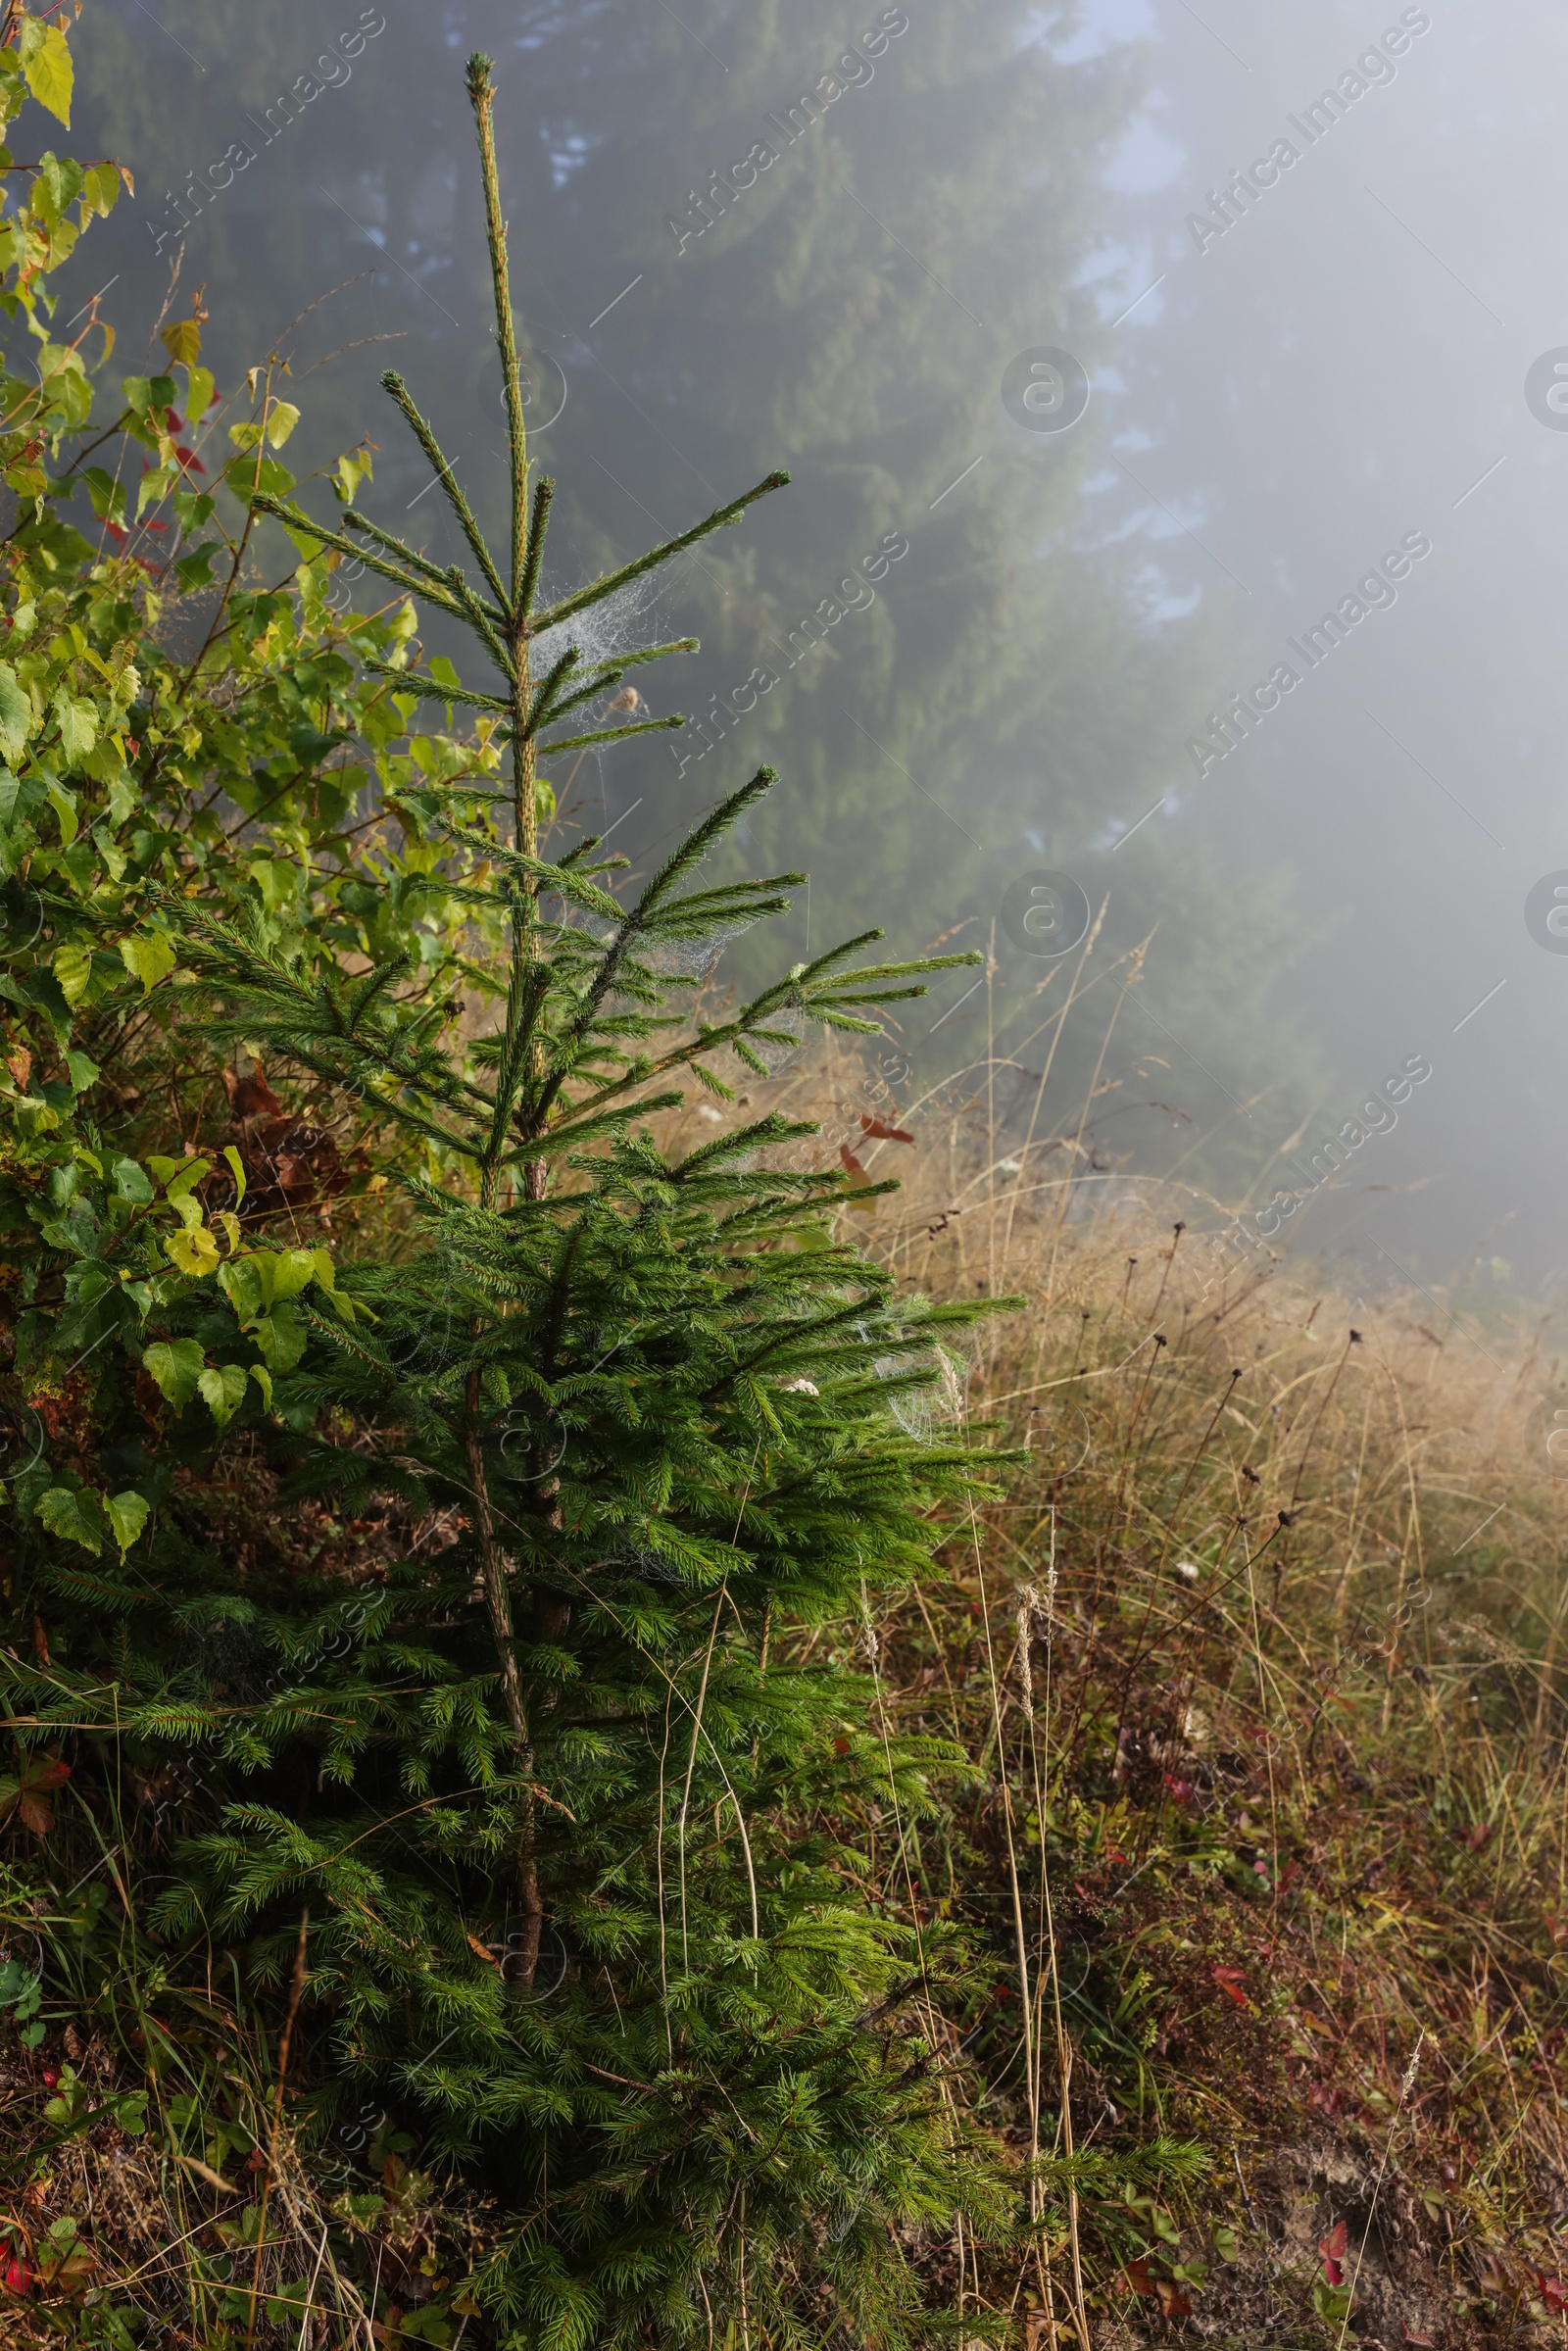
[18, 2278]
[1327, 2101]
[28, 1796]
[1137, 2279]
[1475, 1837]
[1552, 2291]
[884, 1134]
[850, 1160]
[1173, 2302]
[1182, 1791]
[1424, 2341]
[1230, 1981]
[841, 1746]
[248, 1097]
[1332, 2248]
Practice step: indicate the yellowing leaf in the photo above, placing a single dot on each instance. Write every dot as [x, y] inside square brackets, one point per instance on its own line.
[281, 419]
[222, 1389]
[46, 66]
[194, 1252]
[353, 468]
[100, 189]
[128, 1515]
[148, 957]
[78, 725]
[237, 1166]
[72, 967]
[15, 713]
[182, 340]
[178, 1175]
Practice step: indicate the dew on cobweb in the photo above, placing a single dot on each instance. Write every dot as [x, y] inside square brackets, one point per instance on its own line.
[696, 959]
[783, 1038]
[604, 633]
[648, 1564]
[922, 1411]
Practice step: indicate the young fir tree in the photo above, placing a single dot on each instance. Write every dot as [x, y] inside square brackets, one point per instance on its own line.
[582, 1854]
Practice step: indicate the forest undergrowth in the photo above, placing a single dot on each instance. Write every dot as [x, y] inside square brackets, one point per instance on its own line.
[1260, 1835]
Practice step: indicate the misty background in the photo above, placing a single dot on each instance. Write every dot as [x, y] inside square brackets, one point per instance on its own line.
[1033, 625]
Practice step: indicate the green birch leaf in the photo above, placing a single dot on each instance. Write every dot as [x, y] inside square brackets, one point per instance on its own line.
[282, 1337]
[64, 804]
[177, 1367]
[77, 1516]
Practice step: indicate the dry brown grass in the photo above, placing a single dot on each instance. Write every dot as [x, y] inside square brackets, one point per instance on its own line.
[1258, 1664]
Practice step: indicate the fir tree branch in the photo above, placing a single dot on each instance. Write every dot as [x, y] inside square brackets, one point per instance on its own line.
[529, 585]
[604, 679]
[609, 581]
[352, 519]
[393, 383]
[572, 1132]
[481, 97]
[611, 734]
[296, 519]
[431, 690]
[541, 709]
[478, 614]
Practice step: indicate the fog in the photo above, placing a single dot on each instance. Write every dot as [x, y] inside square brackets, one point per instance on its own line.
[1088, 438]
